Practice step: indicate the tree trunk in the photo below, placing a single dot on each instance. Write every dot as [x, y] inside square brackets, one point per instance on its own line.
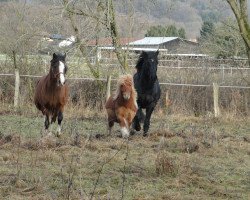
[112, 27]
[248, 55]
[240, 11]
[17, 81]
[94, 71]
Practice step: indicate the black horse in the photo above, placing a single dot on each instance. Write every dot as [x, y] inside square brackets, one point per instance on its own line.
[147, 87]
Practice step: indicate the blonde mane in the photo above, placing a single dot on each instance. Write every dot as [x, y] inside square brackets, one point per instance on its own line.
[125, 79]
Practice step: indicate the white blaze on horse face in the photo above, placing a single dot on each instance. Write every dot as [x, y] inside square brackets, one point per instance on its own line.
[61, 72]
[126, 95]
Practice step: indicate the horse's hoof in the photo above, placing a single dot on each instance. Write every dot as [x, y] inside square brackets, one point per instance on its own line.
[45, 133]
[145, 135]
[50, 134]
[58, 134]
[132, 132]
[138, 128]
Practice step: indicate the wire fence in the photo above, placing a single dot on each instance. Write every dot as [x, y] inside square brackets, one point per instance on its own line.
[187, 82]
[161, 83]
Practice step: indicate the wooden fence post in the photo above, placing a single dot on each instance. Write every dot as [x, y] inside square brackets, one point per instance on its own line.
[168, 102]
[108, 87]
[216, 100]
[17, 86]
[17, 80]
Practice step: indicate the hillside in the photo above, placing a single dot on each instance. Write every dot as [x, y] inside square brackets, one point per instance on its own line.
[188, 14]
[136, 16]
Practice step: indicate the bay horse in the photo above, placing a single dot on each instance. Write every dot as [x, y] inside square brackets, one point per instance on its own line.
[51, 92]
[121, 107]
[147, 87]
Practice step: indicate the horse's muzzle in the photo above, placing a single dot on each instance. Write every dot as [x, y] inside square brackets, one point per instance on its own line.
[126, 96]
[59, 83]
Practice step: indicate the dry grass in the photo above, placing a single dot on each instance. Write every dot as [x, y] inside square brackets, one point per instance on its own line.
[183, 158]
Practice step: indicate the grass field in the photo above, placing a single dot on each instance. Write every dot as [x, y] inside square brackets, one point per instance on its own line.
[183, 158]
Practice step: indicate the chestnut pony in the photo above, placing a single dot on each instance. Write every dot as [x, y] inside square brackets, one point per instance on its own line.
[122, 107]
[51, 93]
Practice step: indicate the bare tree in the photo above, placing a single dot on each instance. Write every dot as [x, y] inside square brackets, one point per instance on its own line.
[102, 14]
[239, 8]
[112, 27]
[72, 13]
[224, 41]
[18, 36]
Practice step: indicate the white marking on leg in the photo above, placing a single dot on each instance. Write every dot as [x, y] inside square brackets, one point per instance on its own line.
[49, 133]
[59, 130]
[126, 123]
[125, 132]
[109, 130]
[61, 71]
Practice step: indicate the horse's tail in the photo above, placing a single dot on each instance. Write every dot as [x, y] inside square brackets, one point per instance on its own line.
[108, 88]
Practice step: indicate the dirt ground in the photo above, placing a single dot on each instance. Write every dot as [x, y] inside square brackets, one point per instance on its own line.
[182, 158]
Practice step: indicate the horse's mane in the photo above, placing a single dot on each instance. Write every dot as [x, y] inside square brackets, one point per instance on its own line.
[125, 79]
[145, 55]
[147, 73]
[139, 63]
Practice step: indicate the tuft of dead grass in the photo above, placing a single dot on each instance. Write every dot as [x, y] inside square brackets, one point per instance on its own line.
[164, 164]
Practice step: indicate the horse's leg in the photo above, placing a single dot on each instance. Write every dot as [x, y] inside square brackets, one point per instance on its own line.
[149, 111]
[46, 124]
[120, 115]
[111, 120]
[124, 127]
[136, 121]
[59, 120]
[130, 119]
[53, 119]
[110, 126]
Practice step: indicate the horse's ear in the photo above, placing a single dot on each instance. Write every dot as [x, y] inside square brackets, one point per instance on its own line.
[64, 55]
[144, 54]
[54, 56]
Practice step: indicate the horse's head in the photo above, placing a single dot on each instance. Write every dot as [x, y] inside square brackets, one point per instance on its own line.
[58, 68]
[147, 64]
[124, 87]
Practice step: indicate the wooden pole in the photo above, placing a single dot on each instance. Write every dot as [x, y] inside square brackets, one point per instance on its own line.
[108, 87]
[17, 81]
[168, 102]
[216, 100]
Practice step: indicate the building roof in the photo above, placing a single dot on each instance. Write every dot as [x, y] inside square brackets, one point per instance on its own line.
[108, 41]
[159, 40]
[133, 49]
[153, 40]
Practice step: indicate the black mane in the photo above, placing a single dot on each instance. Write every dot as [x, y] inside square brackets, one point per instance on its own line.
[147, 68]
